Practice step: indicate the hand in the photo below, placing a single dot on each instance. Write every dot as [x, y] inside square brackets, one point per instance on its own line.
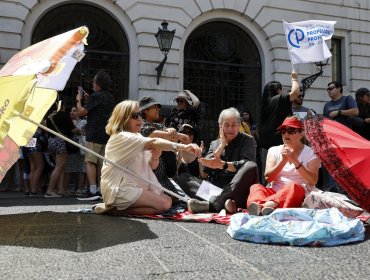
[294, 75]
[156, 153]
[287, 154]
[194, 149]
[183, 138]
[213, 163]
[222, 136]
[78, 97]
[334, 114]
[172, 133]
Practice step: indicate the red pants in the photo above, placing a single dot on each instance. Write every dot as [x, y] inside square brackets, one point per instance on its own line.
[289, 196]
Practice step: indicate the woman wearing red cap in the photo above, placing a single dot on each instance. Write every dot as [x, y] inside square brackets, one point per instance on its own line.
[291, 168]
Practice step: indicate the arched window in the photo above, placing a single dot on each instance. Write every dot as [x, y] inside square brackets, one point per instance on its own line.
[222, 66]
[107, 47]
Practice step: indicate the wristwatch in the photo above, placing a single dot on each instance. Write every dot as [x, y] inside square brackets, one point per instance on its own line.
[225, 166]
[174, 147]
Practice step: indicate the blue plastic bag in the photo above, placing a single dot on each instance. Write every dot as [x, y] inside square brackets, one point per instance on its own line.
[298, 227]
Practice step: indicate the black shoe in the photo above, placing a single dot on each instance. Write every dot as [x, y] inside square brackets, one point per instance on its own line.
[36, 194]
[87, 195]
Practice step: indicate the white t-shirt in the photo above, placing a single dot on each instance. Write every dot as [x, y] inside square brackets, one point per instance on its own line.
[289, 173]
[127, 150]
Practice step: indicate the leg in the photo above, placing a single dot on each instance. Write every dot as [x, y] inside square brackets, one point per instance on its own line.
[60, 160]
[149, 203]
[37, 164]
[91, 173]
[238, 188]
[289, 196]
[189, 184]
[258, 194]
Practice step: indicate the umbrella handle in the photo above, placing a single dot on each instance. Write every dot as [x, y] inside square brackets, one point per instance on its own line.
[103, 158]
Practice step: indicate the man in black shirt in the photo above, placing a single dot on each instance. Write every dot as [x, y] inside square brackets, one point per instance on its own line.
[98, 108]
[229, 164]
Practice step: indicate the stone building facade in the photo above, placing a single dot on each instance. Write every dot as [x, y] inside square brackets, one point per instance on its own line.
[223, 50]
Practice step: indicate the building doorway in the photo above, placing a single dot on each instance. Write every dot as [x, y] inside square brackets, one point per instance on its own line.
[222, 66]
[107, 47]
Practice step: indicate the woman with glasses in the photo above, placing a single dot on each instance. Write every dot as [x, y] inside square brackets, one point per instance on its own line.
[291, 169]
[122, 192]
[167, 167]
[276, 106]
[186, 111]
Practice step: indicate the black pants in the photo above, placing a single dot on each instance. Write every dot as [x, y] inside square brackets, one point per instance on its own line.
[237, 189]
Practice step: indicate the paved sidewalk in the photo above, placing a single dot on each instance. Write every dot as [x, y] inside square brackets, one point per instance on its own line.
[40, 240]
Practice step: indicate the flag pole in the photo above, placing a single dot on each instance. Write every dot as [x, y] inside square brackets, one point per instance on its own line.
[103, 158]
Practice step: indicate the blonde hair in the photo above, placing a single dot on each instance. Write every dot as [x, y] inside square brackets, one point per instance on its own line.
[120, 117]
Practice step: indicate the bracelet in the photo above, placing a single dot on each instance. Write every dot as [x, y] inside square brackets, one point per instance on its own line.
[295, 80]
[225, 166]
[339, 112]
[299, 166]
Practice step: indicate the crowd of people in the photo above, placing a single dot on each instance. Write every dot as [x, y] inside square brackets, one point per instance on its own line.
[257, 166]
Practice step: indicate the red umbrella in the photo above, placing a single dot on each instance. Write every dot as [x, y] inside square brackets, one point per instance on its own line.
[344, 153]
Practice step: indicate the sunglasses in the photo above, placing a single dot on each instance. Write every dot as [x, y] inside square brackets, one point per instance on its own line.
[290, 130]
[180, 101]
[330, 88]
[301, 96]
[136, 115]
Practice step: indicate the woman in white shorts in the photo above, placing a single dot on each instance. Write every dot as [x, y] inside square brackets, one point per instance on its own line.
[126, 147]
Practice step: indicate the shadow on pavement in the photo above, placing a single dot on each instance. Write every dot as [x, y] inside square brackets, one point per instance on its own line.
[70, 231]
[17, 199]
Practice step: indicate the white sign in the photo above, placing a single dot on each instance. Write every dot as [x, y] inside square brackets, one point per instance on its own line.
[305, 40]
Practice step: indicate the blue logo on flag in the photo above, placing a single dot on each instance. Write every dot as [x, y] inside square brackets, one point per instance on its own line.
[294, 40]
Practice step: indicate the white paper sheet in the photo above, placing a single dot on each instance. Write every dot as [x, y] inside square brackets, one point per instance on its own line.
[206, 190]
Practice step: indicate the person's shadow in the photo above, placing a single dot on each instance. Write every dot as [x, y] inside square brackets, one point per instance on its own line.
[70, 231]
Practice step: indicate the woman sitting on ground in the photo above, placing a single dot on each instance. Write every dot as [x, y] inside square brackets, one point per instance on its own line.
[291, 169]
[123, 192]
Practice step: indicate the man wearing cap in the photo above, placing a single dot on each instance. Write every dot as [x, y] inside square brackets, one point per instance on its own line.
[150, 108]
[185, 112]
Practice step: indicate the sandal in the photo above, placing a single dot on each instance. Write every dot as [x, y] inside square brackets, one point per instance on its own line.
[254, 209]
[267, 211]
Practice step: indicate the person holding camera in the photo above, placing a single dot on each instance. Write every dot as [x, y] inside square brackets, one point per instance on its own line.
[97, 108]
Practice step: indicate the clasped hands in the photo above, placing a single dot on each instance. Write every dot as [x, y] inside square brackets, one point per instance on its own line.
[288, 154]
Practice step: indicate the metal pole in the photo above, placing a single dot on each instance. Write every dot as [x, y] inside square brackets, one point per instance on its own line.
[103, 158]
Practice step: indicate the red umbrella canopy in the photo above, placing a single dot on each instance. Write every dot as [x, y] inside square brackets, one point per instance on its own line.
[344, 153]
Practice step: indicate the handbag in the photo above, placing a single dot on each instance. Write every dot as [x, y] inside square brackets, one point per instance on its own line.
[71, 148]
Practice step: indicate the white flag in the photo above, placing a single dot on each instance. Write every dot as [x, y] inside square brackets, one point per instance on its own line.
[305, 40]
